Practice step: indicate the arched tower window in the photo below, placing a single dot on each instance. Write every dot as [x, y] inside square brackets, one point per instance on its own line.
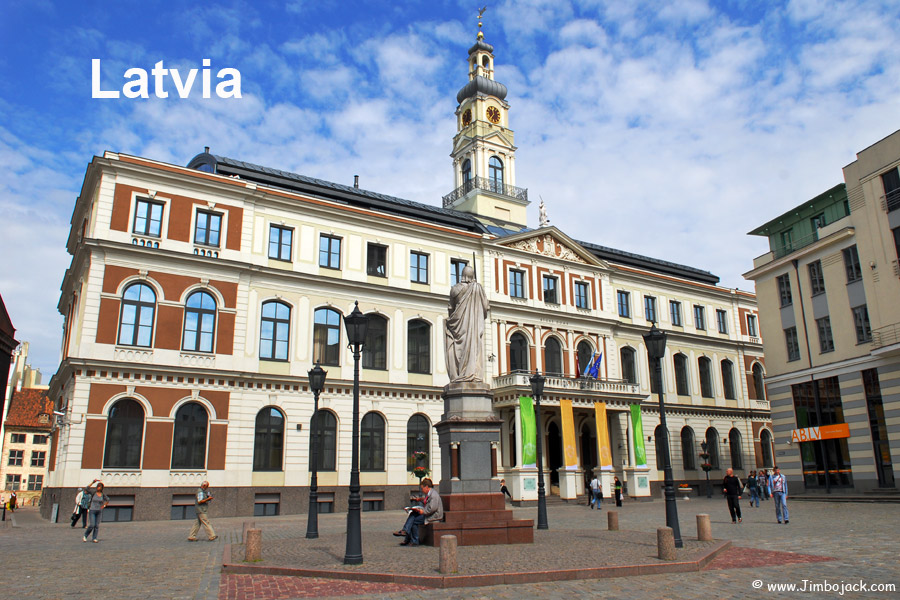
[466, 172]
[495, 174]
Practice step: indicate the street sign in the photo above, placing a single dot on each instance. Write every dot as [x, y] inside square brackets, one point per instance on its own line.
[824, 432]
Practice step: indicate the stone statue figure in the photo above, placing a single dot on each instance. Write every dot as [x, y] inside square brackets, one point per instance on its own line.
[544, 219]
[464, 329]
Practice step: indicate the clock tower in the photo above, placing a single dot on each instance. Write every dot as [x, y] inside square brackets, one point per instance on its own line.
[484, 151]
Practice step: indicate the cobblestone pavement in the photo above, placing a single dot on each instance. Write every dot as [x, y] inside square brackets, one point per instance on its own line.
[153, 559]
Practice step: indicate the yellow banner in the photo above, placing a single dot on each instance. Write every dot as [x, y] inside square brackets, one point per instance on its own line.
[568, 431]
[602, 436]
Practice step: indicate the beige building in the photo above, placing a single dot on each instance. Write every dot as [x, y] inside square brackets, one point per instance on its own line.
[199, 297]
[26, 448]
[828, 294]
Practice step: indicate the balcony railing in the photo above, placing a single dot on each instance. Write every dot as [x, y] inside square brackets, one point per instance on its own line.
[796, 245]
[559, 382]
[891, 200]
[886, 336]
[488, 185]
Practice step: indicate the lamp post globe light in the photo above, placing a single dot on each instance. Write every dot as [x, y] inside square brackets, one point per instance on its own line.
[316, 384]
[655, 340]
[356, 324]
[537, 390]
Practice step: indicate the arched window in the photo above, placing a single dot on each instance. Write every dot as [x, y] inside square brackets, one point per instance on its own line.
[418, 346]
[327, 337]
[687, 449]
[189, 437]
[326, 451]
[136, 320]
[466, 171]
[417, 440]
[585, 354]
[374, 352]
[629, 373]
[199, 323]
[706, 386]
[268, 440]
[371, 443]
[734, 445]
[124, 435]
[758, 384]
[681, 376]
[660, 447]
[495, 174]
[552, 356]
[274, 330]
[728, 379]
[765, 442]
[712, 446]
[518, 352]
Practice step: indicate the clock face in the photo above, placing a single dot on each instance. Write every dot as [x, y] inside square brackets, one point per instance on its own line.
[493, 115]
[467, 117]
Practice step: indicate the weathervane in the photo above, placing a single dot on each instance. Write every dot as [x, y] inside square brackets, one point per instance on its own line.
[480, 15]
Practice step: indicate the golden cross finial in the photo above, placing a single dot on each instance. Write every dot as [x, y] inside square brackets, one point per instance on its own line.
[480, 15]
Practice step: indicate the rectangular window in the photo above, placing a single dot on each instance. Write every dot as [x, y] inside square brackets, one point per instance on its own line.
[751, 325]
[675, 312]
[326, 502]
[418, 267]
[722, 320]
[15, 458]
[516, 284]
[329, 251]
[699, 317]
[861, 322]
[182, 507]
[35, 483]
[120, 508]
[376, 260]
[793, 344]
[624, 302]
[891, 182]
[784, 290]
[816, 280]
[373, 501]
[650, 308]
[280, 240]
[13, 482]
[813, 455]
[17, 438]
[550, 292]
[39, 439]
[456, 268]
[266, 505]
[207, 228]
[38, 457]
[826, 341]
[148, 218]
[851, 264]
[582, 290]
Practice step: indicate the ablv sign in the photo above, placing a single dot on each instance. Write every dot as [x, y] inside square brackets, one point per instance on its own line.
[824, 432]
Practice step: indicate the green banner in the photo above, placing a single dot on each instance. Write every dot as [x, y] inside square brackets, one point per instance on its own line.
[640, 454]
[529, 440]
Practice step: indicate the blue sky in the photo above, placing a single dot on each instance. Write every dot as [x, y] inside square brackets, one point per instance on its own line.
[668, 129]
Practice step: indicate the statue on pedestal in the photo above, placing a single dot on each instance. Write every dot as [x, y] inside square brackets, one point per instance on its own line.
[464, 329]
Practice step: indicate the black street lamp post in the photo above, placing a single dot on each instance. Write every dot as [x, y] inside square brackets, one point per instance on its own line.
[316, 384]
[656, 349]
[356, 324]
[537, 390]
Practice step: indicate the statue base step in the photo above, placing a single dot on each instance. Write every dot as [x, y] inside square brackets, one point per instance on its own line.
[478, 520]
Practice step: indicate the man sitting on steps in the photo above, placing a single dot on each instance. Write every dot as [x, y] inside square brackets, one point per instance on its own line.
[432, 511]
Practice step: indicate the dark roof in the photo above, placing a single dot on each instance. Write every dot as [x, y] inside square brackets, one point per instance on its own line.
[481, 85]
[347, 194]
[25, 408]
[651, 264]
[481, 45]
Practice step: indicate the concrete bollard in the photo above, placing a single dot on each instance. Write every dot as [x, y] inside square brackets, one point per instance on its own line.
[449, 563]
[665, 543]
[612, 520]
[247, 525]
[704, 528]
[253, 545]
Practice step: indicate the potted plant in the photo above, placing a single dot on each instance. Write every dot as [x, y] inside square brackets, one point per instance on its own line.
[420, 472]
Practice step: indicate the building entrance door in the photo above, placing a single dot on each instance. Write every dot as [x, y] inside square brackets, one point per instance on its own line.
[554, 452]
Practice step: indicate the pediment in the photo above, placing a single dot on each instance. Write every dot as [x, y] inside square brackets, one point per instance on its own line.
[462, 141]
[551, 242]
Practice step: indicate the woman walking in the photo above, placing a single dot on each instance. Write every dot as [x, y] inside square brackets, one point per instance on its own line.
[753, 486]
[99, 500]
[617, 486]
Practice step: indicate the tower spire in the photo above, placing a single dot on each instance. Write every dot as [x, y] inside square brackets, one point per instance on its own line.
[480, 35]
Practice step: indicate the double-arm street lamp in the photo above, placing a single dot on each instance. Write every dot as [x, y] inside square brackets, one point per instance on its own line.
[655, 340]
[316, 384]
[356, 324]
[537, 390]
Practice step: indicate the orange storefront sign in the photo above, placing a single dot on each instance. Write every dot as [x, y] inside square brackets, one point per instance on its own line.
[825, 432]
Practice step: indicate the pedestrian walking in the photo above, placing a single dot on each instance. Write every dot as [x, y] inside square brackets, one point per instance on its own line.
[596, 493]
[99, 500]
[13, 501]
[780, 494]
[753, 488]
[617, 485]
[201, 507]
[504, 489]
[731, 487]
[82, 503]
[762, 484]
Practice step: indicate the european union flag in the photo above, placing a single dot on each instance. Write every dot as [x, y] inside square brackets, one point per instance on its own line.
[593, 369]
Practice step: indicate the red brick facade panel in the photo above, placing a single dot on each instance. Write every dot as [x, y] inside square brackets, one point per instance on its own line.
[218, 433]
[169, 322]
[158, 445]
[100, 394]
[94, 434]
